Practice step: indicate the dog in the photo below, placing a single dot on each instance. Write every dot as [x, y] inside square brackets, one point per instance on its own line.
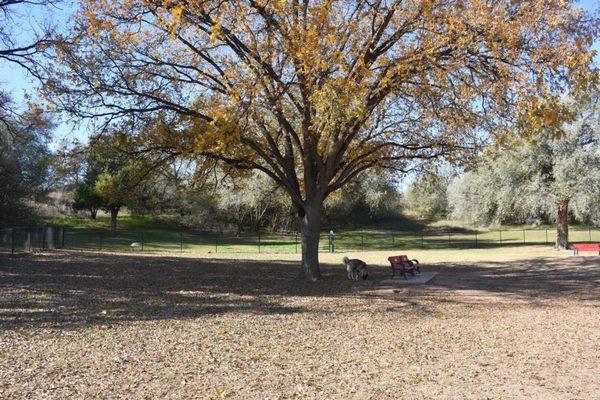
[357, 269]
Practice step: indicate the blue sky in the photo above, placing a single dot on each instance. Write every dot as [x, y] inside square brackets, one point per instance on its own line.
[16, 82]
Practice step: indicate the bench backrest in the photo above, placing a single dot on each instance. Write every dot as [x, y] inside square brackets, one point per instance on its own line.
[587, 246]
[400, 262]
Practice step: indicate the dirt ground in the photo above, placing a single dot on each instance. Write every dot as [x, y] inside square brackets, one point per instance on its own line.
[100, 326]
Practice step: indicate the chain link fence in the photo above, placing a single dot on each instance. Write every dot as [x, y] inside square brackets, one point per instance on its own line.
[35, 238]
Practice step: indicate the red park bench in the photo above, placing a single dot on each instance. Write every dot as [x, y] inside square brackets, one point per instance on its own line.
[585, 247]
[404, 265]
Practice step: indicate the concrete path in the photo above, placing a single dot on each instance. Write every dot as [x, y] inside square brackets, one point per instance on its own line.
[424, 277]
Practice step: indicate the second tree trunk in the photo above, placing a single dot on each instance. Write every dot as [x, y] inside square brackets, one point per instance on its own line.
[562, 225]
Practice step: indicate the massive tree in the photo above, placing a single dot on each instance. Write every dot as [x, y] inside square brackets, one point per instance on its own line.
[314, 92]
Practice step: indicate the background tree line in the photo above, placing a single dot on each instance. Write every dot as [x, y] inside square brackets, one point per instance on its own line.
[546, 181]
[109, 174]
[101, 176]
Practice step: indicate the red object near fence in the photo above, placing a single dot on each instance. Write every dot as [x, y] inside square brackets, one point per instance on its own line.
[585, 247]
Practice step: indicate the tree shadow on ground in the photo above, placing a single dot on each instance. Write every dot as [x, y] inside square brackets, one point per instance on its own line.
[74, 289]
[530, 280]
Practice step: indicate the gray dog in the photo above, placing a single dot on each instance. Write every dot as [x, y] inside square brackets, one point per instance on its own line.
[357, 269]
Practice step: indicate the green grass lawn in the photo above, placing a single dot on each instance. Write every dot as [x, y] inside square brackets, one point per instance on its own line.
[163, 235]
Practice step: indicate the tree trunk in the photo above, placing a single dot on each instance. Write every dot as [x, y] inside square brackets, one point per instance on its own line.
[310, 225]
[114, 212]
[562, 225]
[93, 213]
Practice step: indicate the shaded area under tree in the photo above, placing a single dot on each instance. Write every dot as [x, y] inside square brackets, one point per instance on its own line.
[80, 289]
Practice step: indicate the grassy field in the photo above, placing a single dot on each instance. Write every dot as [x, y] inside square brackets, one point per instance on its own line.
[498, 323]
[161, 237]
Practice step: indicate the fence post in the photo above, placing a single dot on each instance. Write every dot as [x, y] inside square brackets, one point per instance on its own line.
[12, 241]
[449, 239]
[523, 236]
[43, 237]
[259, 240]
[362, 242]
[500, 236]
[475, 239]
[181, 241]
[101, 237]
[422, 240]
[590, 233]
[62, 244]
[296, 242]
[546, 235]
[393, 240]
[216, 242]
[142, 235]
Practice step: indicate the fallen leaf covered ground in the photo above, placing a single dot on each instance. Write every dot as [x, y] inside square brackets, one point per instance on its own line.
[100, 326]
